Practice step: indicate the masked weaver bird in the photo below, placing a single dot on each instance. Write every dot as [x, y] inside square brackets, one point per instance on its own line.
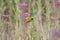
[29, 19]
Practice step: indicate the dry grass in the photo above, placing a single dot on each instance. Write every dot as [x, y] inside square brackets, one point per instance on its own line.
[37, 29]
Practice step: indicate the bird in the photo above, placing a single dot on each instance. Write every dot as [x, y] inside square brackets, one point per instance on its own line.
[29, 19]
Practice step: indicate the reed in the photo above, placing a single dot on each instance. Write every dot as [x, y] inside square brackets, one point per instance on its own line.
[42, 16]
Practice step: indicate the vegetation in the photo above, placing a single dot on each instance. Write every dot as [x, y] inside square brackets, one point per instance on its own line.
[29, 19]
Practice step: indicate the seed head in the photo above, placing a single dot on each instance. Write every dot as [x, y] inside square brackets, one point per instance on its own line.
[5, 16]
[26, 15]
[24, 4]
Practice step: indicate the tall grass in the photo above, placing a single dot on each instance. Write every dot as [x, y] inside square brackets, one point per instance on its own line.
[37, 29]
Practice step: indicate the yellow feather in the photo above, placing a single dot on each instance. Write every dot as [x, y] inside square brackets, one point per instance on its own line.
[29, 19]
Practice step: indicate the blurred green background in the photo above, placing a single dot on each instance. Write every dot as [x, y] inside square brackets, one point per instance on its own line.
[37, 29]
